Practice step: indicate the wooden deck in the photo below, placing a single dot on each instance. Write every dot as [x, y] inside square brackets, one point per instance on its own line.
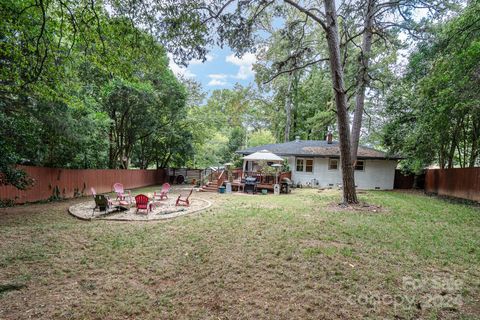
[265, 181]
[237, 184]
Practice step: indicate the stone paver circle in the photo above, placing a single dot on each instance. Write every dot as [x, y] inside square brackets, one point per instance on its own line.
[164, 209]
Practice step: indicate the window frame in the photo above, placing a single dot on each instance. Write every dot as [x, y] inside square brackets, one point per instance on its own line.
[296, 164]
[304, 164]
[363, 165]
[329, 163]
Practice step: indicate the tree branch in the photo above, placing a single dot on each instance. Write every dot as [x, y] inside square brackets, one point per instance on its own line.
[215, 15]
[308, 12]
[295, 68]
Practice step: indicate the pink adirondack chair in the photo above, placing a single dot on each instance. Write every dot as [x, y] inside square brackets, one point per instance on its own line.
[141, 202]
[162, 194]
[122, 194]
[185, 201]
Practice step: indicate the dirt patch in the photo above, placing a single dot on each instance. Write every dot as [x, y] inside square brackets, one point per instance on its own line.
[361, 207]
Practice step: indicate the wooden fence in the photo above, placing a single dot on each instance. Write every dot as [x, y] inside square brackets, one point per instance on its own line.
[408, 181]
[403, 181]
[69, 183]
[458, 182]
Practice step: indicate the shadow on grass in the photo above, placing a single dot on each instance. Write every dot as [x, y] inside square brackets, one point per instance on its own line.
[4, 288]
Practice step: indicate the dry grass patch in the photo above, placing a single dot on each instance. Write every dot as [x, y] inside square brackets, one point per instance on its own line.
[265, 257]
[360, 207]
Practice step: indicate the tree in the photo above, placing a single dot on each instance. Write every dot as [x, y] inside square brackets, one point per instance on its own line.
[383, 19]
[260, 137]
[433, 108]
[70, 72]
[237, 29]
[281, 68]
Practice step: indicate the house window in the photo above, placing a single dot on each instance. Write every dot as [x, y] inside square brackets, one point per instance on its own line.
[359, 165]
[300, 165]
[304, 165]
[332, 164]
[308, 165]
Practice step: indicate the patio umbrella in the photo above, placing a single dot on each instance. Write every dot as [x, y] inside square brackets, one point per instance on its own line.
[263, 155]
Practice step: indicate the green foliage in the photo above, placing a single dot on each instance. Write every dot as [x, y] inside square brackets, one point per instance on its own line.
[221, 124]
[80, 88]
[235, 141]
[304, 95]
[260, 137]
[266, 169]
[211, 153]
[434, 117]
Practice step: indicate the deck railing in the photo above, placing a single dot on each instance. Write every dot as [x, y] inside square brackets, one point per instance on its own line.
[262, 178]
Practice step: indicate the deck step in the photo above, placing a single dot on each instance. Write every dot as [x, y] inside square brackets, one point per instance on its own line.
[209, 187]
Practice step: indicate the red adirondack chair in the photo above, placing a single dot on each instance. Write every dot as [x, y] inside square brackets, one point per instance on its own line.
[184, 202]
[141, 202]
[161, 194]
[122, 195]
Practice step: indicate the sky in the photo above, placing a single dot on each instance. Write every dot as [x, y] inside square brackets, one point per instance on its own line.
[221, 70]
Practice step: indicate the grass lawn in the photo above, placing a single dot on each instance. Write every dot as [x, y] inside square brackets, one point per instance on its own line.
[256, 257]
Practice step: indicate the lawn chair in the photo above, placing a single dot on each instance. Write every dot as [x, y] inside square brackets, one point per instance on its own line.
[122, 195]
[102, 203]
[94, 194]
[184, 202]
[141, 202]
[161, 194]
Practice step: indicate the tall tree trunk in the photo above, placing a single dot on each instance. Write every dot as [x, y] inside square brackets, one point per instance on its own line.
[475, 142]
[349, 192]
[441, 156]
[111, 149]
[288, 109]
[453, 145]
[295, 103]
[362, 76]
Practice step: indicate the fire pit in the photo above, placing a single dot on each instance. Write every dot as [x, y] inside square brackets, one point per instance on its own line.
[250, 185]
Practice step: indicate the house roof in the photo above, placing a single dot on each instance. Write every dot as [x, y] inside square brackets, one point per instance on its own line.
[316, 148]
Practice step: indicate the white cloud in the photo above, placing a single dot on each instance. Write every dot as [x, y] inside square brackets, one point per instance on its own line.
[218, 76]
[216, 82]
[179, 71]
[245, 64]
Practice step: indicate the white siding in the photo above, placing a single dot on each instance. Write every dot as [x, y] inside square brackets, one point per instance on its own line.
[377, 174]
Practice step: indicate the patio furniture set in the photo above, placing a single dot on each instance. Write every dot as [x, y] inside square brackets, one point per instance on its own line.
[124, 199]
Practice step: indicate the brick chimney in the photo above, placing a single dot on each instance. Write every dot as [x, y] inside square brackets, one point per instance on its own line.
[329, 138]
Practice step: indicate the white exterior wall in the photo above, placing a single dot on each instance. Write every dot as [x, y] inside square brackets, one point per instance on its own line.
[376, 174]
